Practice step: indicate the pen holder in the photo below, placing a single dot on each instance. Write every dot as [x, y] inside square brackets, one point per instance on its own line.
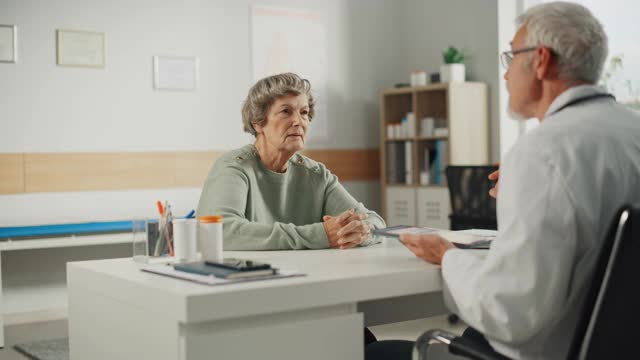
[151, 239]
[160, 237]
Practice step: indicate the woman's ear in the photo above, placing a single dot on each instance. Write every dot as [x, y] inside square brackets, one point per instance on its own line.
[258, 128]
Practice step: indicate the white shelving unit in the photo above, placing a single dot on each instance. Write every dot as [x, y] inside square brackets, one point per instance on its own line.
[73, 240]
[462, 109]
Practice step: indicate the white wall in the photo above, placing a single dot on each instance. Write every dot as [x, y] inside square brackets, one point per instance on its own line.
[510, 129]
[428, 27]
[50, 108]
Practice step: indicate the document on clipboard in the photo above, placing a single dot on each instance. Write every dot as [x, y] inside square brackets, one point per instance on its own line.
[478, 240]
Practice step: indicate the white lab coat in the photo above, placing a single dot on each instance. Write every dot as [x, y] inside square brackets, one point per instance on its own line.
[560, 187]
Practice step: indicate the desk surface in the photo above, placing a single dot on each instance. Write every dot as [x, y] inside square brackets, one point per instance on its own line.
[333, 277]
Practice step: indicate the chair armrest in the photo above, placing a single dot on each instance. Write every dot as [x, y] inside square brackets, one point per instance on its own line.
[457, 345]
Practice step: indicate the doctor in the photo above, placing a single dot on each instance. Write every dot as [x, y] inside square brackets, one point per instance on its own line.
[560, 187]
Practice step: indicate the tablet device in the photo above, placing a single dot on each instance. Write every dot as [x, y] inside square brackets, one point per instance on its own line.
[475, 245]
[239, 264]
[202, 268]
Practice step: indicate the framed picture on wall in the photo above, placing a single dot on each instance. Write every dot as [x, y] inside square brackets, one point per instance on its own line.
[8, 43]
[80, 48]
[175, 73]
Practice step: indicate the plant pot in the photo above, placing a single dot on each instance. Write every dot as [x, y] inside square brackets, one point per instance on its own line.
[452, 73]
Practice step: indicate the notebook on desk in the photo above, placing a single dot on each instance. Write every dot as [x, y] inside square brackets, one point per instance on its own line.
[168, 270]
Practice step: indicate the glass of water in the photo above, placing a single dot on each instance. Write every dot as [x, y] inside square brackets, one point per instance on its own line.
[139, 229]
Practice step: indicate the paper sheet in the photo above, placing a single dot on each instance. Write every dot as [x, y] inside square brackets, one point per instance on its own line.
[293, 40]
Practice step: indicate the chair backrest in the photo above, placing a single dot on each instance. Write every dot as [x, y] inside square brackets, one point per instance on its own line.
[471, 204]
[612, 309]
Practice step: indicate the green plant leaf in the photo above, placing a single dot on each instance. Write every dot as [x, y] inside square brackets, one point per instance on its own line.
[453, 56]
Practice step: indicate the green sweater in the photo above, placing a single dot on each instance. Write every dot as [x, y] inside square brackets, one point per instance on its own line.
[265, 210]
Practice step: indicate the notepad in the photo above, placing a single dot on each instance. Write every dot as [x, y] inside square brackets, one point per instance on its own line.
[168, 270]
[396, 231]
[462, 240]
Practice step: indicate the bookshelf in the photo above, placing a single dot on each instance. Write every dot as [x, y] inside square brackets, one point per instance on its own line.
[422, 130]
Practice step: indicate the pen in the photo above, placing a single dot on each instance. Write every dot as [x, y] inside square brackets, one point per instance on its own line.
[190, 214]
[160, 209]
[168, 228]
[159, 246]
[161, 229]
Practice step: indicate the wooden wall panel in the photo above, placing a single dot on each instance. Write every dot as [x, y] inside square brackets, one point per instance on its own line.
[192, 168]
[98, 171]
[349, 164]
[11, 173]
[53, 172]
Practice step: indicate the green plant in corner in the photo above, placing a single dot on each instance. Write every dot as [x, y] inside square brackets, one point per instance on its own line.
[615, 63]
[453, 56]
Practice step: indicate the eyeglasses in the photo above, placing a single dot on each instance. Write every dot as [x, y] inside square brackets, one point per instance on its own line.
[506, 57]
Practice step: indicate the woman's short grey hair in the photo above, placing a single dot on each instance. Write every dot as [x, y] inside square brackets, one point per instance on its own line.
[265, 92]
[574, 35]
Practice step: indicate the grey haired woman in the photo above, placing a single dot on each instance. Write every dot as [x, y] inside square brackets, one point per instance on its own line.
[272, 197]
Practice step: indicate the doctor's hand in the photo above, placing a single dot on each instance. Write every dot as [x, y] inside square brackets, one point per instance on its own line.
[494, 190]
[430, 248]
[346, 230]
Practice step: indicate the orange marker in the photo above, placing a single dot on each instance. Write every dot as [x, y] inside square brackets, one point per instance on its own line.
[160, 209]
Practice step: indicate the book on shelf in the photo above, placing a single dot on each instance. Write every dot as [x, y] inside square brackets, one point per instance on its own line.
[434, 166]
[443, 151]
[392, 168]
[408, 162]
[439, 160]
[425, 173]
[396, 162]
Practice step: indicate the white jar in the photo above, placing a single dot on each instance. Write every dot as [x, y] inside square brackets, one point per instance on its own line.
[418, 78]
[184, 239]
[390, 131]
[210, 238]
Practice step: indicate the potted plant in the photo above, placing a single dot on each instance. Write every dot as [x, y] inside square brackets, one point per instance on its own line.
[453, 69]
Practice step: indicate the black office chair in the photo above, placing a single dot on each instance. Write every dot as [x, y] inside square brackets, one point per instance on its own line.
[471, 205]
[612, 301]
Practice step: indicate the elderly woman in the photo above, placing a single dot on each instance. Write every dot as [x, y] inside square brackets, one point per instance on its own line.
[273, 198]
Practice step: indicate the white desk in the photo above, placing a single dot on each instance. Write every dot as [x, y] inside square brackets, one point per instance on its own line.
[29, 303]
[119, 312]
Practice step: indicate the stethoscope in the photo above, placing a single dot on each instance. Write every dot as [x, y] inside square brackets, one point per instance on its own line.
[584, 99]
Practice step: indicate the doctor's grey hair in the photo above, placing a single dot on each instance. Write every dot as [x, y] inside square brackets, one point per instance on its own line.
[265, 92]
[575, 36]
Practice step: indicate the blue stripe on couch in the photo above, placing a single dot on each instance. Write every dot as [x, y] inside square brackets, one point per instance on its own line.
[65, 229]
